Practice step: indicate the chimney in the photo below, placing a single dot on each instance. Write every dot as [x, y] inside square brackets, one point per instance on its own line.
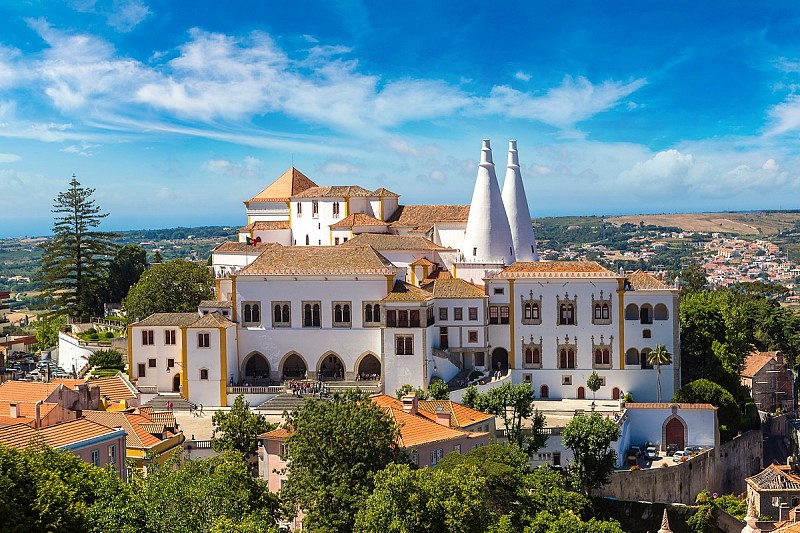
[516, 205]
[38, 410]
[410, 404]
[442, 416]
[14, 411]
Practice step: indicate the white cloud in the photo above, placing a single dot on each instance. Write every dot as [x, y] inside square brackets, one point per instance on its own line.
[248, 168]
[9, 158]
[785, 116]
[122, 15]
[341, 167]
[522, 76]
[82, 149]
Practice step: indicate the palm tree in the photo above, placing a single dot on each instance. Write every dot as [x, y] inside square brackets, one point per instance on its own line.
[659, 356]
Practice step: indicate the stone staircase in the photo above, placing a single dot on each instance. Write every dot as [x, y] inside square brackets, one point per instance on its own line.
[283, 402]
[159, 403]
[459, 380]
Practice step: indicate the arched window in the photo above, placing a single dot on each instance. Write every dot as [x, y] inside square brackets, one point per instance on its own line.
[203, 373]
[376, 313]
[256, 313]
[248, 313]
[529, 356]
[660, 312]
[535, 312]
[285, 313]
[346, 313]
[606, 312]
[308, 240]
[632, 312]
[602, 357]
[598, 312]
[315, 315]
[567, 315]
[567, 358]
[544, 391]
[632, 357]
[645, 315]
[276, 313]
[337, 313]
[528, 311]
[307, 316]
[335, 208]
[368, 313]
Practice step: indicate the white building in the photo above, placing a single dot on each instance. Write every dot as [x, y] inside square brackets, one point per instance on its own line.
[339, 283]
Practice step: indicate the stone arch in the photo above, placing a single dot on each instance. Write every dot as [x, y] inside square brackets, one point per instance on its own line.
[255, 369]
[675, 427]
[330, 366]
[544, 391]
[368, 364]
[500, 357]
[646, 314]
[660, 312]
[176, 382]
[293, 366]
[632, 312]
[632, 357]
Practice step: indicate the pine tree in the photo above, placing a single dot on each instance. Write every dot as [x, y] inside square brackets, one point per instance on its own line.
[74, 262]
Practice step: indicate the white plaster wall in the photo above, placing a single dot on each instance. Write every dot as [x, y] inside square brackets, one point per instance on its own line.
[458, 330]
[207, 391]
[449, 234]
[403, 369]
[361, 205]
[646, 425]
[317, 227]
[259, 211]
[71, 354]
[159, 351]
[476, 272]
[281, 236]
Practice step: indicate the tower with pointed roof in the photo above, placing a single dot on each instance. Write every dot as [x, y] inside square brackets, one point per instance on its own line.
[517, 211]
[488, 235]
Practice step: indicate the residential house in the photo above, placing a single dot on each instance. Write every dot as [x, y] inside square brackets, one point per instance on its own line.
[770, 381]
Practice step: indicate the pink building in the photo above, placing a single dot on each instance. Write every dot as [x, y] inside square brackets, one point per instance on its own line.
[429, 430]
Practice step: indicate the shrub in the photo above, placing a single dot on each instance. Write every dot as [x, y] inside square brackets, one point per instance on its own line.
[91, 331]
[94, 337]
[109, 335]
[107, 359]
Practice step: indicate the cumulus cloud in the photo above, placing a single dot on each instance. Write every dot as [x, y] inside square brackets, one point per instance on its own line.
[341, 167]
[82, 149]
[785, 116]
[522, 76]
[9, 158]
[122, 15]
[247, 168]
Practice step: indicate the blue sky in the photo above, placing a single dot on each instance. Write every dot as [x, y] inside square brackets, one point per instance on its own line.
[176, 111]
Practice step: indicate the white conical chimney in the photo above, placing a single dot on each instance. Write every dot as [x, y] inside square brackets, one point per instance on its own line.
[516, 205]
[488, 235]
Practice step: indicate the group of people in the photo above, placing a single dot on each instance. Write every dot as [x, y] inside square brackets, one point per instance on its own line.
[301, 388]
[196, 410]
[366, 376]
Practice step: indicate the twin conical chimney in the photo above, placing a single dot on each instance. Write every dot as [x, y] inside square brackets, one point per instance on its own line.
[516, 205]
[488, 235]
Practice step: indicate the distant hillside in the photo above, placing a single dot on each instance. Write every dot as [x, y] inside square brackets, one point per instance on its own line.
[761, 223]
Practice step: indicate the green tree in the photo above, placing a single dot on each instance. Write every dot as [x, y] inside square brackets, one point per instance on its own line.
[157, 257]
[407, 389]
[706, 391]
[407, 500]
[659, 356]
[438, 390]
[176, 286]
[589, 438]
[124, 271]
[334, 451]
[47, 328]
[594, 383]
[238, 429]
[107, 359]
[695, 278]
[74, 262]
[514, 405]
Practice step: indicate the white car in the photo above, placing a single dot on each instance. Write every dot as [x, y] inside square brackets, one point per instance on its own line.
[681, 455]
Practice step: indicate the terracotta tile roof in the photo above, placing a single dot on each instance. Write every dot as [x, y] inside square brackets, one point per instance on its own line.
[215, 304]
[56, 436]
[756, 361]
[643, 281]
[416, 430]
[231, 247]
[265, 225]
[336, 191]
[288, 184]
[167, 319]
[454, 288]
[423, 261]
[460, 415]
[26, 409]
[154, 428]
[387, 242]
[116, 388]
[24, 391]
[211, 320]
[405, 292]
[278, 433]
[358, 219]
[438, 274]
[653, 405]
[793, 527]
[162, 417]
[385, 192]
[774, 477]
[555, 269]
[424, 216]
[6, 420]
[319, 260]
[138, 437]
[70, 383]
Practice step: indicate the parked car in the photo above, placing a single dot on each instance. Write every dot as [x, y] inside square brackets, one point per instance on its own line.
[651, 453]
[671, 449]
[693, 449]
[681, 455]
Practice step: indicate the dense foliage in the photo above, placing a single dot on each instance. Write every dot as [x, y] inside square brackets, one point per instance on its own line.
[238, 429]
[176, 286]
[706, 391]
[590, 437]
[107, 359]
[335, 449]
[74, 261]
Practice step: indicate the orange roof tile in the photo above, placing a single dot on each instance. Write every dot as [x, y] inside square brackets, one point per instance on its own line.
[417, 430]
[138, 437]
[643, 281]
[57, 436]
[319, 260]
[211, 320]
[454, 288]
[423, 261]
[27, 409]
[424, 216]
[405, 292]
[358, 219]
[24, 391]
[116, 388]
[278, 433]
[386, 241]
[555, 269]
[288, 184]
[756, 361]
[266, 225]
[231, 247]
[461, 415]
[382, 191]
[6, 420]
[335, 191]
[167, 319]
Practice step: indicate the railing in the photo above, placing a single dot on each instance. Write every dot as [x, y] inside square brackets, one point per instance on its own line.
[147, 389]
[271, 389]
[106, 322]
[199, 445]
[444, 354]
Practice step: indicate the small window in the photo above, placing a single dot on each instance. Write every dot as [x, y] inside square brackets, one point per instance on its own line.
[204, 340]
[141, 370]
[566, 380]
[474, 252]
[170, 363]
[443, 313]
[311, 315]
[499, 290]
[283, 449]
[299, 209]
[527, 378]
[473, 313]
[314, 208]
[203, 373]
[341, 315]
[96, 457]
[281, 315]
[458, 313]
[336, 240]
[169, 336]
[336, 209]
[494, 314]
[372, 314]
[472, 337]
[504, 314]
[404, 344]
[112, 454]
[646, 333]
[251, 313]
[151, 363]
[436, 456]
[457, 448]
[147, 337]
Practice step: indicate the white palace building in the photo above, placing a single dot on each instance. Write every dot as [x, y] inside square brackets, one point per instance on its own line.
[344, 283]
